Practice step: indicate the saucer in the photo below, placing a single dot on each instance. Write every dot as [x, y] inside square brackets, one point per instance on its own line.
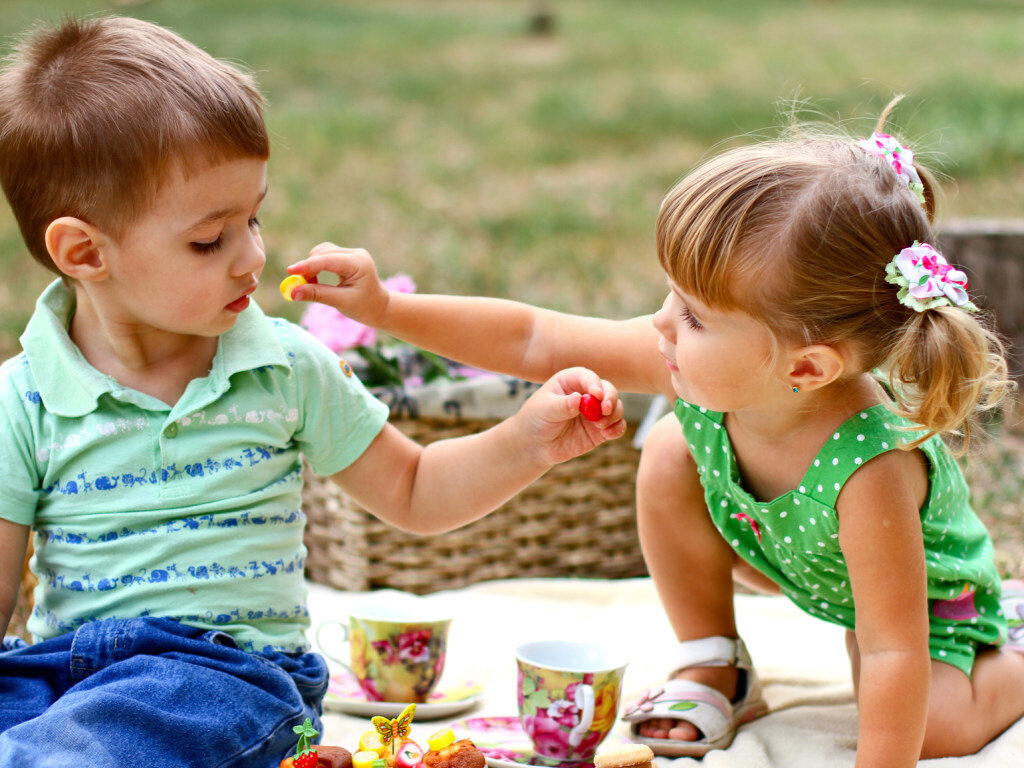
[345, 695]
[505, 744]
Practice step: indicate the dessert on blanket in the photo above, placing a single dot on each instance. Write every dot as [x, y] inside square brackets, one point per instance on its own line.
[626, 756]
[446, 752]
[309, 755]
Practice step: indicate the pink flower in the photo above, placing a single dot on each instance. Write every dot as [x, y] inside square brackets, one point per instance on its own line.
[564, 712]
[400, 283]
[336, 330]
[385, 650]
[548, 738]
[414, 646]
[370, 689]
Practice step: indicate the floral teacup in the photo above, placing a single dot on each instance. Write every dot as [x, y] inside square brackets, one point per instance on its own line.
[568, 696]
[397, 653]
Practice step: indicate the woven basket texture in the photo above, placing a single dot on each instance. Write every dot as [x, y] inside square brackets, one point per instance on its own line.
[577, 520]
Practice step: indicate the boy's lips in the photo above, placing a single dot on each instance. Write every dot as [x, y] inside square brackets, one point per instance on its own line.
[241, 302]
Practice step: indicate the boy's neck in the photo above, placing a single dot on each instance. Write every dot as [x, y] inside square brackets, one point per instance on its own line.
[155, 362]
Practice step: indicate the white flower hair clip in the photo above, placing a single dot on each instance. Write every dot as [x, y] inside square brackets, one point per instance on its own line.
[927, 280]
[900, 159]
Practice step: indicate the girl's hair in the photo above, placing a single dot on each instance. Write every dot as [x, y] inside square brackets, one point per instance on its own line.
[95, 112]
[797, 233]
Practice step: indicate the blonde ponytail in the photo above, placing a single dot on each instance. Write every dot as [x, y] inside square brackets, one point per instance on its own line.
[945, 370]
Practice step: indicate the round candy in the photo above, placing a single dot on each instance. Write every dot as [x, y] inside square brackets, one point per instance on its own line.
[440, 739]
[370, 742]
[364, 758]
[590, 407]
[289, 284]
[410, 754]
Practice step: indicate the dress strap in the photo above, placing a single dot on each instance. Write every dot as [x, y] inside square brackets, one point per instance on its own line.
[859, 439]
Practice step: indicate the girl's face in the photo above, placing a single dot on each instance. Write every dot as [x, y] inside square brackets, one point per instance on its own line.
[719, 360]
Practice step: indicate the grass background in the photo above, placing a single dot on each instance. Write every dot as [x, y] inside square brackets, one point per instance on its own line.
[456, 146]
[460, 148]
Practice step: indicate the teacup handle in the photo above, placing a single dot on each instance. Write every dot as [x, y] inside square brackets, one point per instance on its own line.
[344, 632]
[585, 703]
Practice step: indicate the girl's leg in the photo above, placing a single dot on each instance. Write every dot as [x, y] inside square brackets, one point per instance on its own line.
[966, 713]
[689, 561]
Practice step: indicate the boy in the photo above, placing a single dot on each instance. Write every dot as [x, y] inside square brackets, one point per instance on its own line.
[151, 432]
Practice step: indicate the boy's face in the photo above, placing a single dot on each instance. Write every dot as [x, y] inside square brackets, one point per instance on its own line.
[188, 265]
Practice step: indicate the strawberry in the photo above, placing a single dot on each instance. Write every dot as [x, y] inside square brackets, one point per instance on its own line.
[590, 407]
[305, 755]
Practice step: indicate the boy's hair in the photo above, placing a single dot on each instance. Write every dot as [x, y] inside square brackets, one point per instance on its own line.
[797, 234]
[94, 113]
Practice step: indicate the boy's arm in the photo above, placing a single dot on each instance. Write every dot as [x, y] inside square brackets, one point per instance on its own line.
[452, 482]
[493, 334]
[13, 546]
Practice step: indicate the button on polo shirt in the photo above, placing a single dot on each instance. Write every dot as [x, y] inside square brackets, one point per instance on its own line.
[191, 511]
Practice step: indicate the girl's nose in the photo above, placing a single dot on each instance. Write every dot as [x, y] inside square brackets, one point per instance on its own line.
[661, 321]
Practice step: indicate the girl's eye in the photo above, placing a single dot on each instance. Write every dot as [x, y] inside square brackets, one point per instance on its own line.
[254, 223]
[691, 321]
[209, 247]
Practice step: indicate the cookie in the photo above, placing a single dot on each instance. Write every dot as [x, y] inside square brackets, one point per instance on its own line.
[626, 756]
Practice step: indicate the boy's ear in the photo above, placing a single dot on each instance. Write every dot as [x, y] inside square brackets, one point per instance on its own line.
[76, 247]
[815, 366]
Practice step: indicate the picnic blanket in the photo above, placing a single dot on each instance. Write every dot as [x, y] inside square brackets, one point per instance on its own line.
[801, 660]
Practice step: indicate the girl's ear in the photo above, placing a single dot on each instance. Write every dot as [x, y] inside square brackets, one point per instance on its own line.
[76, 247]
[814, 366]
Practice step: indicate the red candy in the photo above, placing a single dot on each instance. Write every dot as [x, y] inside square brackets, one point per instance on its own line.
[590, 407]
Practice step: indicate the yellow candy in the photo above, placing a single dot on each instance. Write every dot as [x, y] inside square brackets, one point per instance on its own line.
[290, 283]
[370, 742]
[364, 758]
[441, 739]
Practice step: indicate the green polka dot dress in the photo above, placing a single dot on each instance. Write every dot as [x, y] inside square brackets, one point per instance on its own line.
[794, 539]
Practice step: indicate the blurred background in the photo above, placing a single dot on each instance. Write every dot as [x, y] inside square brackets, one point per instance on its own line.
[521, 148]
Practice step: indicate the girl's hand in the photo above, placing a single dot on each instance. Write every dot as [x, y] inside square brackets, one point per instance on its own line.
[551, 422]
[359, 293]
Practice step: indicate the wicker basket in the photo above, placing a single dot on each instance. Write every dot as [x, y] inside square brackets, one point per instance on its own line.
[579, 519]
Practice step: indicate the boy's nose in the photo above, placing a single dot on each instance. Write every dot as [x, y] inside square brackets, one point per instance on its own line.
[253, 258]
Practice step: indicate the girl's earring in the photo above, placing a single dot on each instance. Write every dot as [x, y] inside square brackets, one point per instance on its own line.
[796, 390]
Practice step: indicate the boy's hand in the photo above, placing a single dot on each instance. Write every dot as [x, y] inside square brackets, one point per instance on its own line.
[359, 293]
[552, 424]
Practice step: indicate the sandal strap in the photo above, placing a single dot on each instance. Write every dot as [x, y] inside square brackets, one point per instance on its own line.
[715, 651]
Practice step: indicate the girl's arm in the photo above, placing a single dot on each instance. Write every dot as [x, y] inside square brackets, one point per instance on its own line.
[880, 535]
[452, 482]
[13, 546]
[493, 334]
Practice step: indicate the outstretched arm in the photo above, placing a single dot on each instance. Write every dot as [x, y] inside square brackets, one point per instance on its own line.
[452, 482]
[496, 335]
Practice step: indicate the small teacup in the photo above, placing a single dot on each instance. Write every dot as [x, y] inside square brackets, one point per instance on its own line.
[568, 694]
[397, 651]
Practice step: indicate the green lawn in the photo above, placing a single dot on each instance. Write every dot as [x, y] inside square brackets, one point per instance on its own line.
[479, 158]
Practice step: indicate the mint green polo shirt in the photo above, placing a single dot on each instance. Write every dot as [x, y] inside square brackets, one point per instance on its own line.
[193, 511]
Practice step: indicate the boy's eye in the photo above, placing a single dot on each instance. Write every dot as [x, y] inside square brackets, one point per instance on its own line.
[209, 247]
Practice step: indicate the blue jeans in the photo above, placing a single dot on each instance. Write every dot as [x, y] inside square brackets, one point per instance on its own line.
[152, 692]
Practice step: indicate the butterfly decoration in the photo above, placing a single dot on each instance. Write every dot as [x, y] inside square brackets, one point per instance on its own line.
[393, 731]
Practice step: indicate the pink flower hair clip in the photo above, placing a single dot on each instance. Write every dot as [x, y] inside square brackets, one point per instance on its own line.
[900, 159]
[927, 280]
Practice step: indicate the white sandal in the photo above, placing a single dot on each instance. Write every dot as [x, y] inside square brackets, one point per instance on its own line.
[708, 710]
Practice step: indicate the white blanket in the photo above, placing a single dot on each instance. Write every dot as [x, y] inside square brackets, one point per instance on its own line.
[802, 663]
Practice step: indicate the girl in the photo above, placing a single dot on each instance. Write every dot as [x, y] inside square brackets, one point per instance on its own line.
[796, 270]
